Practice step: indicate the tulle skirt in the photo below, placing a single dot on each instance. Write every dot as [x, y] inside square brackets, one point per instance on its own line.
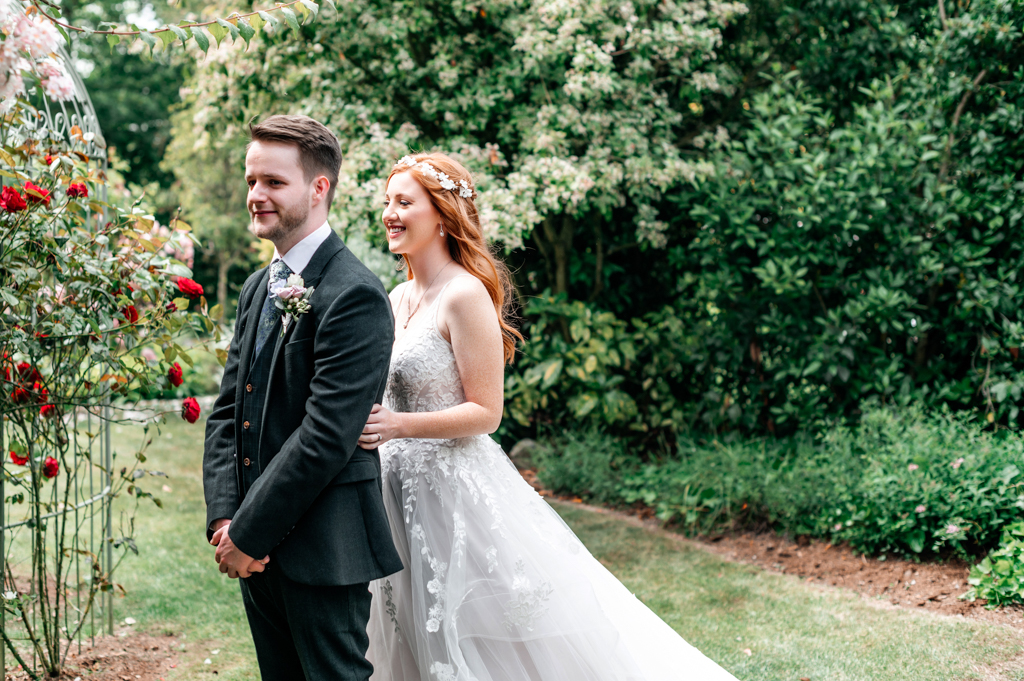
[496, 587]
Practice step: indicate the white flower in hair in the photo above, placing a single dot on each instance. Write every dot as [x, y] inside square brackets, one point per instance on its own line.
[463, 188]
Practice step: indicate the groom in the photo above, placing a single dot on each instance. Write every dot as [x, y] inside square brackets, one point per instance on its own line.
[294, 507]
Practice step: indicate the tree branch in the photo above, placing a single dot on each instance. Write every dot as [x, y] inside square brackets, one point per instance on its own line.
[944, 169]
[195, 24]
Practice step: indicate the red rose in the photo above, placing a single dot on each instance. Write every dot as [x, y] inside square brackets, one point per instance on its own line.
[11, 201]
[190, 288]
[44, 195]
[190, 410]
[131, 314]
[48, 410]
[51, 467]
[42, 394]
[27, 373]
[48, 159]
[77, 190]
[18, 460]
[174, 375]
[19, 396]
[171, 307]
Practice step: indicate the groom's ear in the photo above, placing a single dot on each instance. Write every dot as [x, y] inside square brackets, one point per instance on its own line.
[321, 187]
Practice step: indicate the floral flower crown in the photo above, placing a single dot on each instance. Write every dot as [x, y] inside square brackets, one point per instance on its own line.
[463, 188]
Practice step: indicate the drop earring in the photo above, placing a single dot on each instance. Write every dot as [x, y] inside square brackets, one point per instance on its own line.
[442, 230]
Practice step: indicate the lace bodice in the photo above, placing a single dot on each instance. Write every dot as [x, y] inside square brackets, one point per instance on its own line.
[423, 374]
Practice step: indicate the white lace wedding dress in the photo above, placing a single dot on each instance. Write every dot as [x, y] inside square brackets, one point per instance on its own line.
[496, 587]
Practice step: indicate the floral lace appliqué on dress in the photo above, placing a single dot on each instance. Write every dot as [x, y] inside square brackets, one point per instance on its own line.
[496, 587]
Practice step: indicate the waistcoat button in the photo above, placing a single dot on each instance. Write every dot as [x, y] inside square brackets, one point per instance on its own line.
[246, 461]
[246, 425]
[248, 388]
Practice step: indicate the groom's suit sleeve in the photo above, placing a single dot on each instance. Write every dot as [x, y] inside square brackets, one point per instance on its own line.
[220, 479]
[351, 353]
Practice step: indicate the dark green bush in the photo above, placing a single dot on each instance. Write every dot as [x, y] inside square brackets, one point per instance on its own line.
[928, 484]
[903, 481]
[585, 463]
[718, 486]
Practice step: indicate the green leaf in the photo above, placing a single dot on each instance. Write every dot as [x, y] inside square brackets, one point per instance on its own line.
[201, 39]
[113, 40]
[330, 4]
[166, 38]
[229, 27]
[256, 21]
[290, 19]
[551, 373]
[148, 38]
[269, 19]
[64, 33]
[182, 33]
[916, 541]
[584, 404]
[247, 32]
[217, 31]
[313, 8]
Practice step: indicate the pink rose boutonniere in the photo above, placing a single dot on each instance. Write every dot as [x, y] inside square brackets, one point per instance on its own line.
[292, 297]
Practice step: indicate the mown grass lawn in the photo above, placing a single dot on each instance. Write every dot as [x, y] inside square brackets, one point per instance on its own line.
[792, 630]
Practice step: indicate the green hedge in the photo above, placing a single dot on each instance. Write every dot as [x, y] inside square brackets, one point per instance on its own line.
[903, 481]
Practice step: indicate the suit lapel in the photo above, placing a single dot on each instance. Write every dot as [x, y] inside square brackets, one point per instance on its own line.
[314, 271]
[248, 340]
[311, 276]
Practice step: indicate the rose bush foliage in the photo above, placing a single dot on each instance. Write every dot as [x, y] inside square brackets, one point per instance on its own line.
[85, 286]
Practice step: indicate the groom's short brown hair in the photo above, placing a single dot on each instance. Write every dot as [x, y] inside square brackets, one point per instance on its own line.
[319, 151]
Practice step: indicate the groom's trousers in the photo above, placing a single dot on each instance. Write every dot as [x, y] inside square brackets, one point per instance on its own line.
[316, 633]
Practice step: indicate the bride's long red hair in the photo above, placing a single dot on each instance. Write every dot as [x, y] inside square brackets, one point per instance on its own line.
[466, 241]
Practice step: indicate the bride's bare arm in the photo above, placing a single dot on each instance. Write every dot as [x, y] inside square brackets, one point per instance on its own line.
[468, 320]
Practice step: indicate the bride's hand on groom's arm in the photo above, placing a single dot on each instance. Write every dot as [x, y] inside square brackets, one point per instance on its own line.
[383, 425]
[232, 561]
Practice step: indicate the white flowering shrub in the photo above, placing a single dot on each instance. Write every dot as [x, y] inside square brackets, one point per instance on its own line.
[566, 111]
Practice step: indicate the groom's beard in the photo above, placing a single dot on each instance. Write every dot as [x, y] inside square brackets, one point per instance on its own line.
[288, 220]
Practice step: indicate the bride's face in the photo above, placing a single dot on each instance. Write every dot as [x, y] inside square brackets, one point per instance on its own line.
[410, 218]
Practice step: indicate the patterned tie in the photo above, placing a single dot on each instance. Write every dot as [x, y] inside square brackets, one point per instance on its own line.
[270, 312]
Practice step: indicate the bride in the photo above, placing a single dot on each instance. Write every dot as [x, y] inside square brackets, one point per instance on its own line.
[496, 587]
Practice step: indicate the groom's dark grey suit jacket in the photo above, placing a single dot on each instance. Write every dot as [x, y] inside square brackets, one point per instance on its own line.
[302, 491]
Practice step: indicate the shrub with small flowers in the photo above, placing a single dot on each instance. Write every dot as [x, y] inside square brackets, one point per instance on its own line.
[902, 481]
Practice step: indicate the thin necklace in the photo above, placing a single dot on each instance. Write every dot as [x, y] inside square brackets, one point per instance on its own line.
[427, 290]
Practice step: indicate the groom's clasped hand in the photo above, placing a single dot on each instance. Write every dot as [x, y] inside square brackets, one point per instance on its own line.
[232, 561]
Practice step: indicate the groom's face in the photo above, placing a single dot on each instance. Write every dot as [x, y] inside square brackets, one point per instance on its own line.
[280, 196]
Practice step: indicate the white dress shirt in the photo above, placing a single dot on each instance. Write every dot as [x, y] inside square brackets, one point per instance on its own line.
[299, 255]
